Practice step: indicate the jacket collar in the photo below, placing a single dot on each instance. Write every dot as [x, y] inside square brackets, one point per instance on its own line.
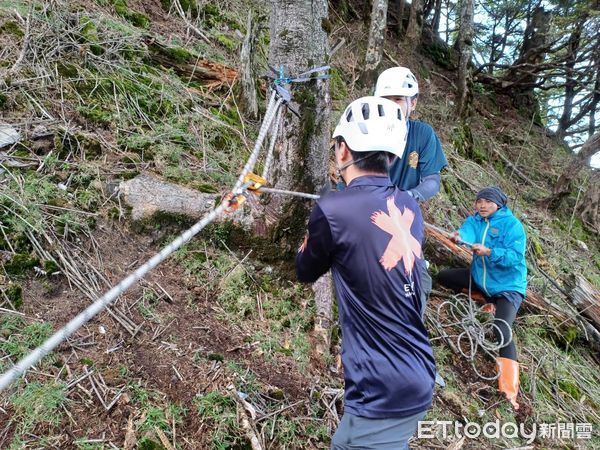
[371, 180]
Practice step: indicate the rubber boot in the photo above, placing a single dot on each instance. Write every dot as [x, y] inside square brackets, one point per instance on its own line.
[508, 382]
[475, 296]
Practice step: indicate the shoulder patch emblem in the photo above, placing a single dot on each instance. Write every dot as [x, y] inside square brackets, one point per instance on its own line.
[413, 159]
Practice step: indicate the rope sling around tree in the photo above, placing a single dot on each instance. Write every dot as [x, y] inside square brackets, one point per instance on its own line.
[279, 96]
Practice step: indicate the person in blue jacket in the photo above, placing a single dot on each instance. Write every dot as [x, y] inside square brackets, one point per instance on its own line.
[370, 236]
[498, 273]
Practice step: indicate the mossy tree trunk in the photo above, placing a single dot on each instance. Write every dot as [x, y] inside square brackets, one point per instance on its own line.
[376, 41]
[465, 50]
[248, 68]
[413, 31]
[299, 42]
[563, 186]
[589, 209]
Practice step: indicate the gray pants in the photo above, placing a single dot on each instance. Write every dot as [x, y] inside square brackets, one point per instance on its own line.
[355, 433]
[426, 286]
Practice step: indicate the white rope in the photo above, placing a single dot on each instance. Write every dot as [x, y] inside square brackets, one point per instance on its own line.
[463, 315]
[269, 160]
[74, 324]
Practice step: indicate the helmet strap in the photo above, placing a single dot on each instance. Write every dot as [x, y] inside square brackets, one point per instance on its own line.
[343, 167]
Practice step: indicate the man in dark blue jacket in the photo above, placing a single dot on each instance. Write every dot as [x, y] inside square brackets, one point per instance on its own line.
[370, 236]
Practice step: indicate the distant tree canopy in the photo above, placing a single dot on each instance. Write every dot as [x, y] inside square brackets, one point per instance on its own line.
[545, 54]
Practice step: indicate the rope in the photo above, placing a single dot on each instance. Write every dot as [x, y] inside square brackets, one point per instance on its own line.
[291, 193]
[278, 97]
[464, 315]
[269, 160]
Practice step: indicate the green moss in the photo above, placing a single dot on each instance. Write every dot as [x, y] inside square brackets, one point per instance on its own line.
[569, 335]
[178, 55]
[96, 114]
[20, 263]
[89, 33]
[189, 6]
[14, 292]
[227, 42]
[135, 18]
[215, 357]
[326, 25]
[149, 444]
[67, 70]
[50, 267]
[12, 27]
[441, 54]
[338, 88]
[570, 388]
[462, 139]
[3, 100]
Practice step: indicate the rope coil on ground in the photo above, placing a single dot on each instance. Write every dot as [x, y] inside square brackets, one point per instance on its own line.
[464, 314]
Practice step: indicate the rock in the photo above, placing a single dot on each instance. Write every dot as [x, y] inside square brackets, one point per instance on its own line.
[582, 245]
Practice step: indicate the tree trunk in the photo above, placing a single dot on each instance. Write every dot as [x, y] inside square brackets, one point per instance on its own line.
[400, 4]
[563, 186]
[429, 5]
[465, 49]
[572, 49]
[536, 40]
[589, 209]
[413, 30]
[376, 40]
[437, 14]
[248, 101]
[299, 43]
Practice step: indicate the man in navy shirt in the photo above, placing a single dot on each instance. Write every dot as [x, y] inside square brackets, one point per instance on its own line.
[370, 236]
[418, 171]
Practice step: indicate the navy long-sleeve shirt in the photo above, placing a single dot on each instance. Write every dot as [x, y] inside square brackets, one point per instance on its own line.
[370, 236]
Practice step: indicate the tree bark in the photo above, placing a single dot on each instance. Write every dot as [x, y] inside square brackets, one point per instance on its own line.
[586, 299]
[437, 14]
[589, 209]
[563, 186]
[376, 41]
[572, 49]
[400, 4]
[413, 31]
[465, 49]
[248, 101]
[299, 43]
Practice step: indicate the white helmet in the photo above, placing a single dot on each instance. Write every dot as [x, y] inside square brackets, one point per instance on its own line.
[372, 124]
[397, 81]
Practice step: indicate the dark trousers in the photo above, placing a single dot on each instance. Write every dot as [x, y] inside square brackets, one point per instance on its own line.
[458, 279]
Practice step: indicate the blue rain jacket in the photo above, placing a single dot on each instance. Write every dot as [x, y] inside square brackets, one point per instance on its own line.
[505, 269]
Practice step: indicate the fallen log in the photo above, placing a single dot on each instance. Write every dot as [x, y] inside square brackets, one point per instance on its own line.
[586, 298]
[148, 195]
[190, 66]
